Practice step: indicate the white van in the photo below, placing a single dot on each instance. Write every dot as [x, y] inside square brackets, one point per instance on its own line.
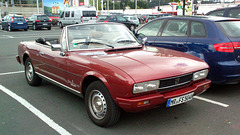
[76, 15]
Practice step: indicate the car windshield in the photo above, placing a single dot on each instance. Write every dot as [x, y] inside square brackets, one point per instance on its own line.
[96, 36]
[230, 28]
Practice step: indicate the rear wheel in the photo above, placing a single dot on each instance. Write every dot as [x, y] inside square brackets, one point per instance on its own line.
[34, 27]
[132, 27]
[101, 108]
[32, 78]
[49, 28]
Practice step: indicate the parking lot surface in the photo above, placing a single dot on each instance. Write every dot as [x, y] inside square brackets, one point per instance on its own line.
[48, 109]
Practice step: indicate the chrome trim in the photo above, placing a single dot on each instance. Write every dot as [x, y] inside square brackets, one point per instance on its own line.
[60, 85]
[174, 85]
[176, 76]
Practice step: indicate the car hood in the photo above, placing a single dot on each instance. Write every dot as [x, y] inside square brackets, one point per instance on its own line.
[151, 63]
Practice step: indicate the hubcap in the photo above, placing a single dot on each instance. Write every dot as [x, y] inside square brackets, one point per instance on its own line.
[97, 104]
[29, 71]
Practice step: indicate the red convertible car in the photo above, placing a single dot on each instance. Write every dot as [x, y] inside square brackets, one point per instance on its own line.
[112, 70]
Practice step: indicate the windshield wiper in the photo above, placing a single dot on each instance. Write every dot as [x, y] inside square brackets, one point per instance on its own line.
[92, 42]
[124, 41]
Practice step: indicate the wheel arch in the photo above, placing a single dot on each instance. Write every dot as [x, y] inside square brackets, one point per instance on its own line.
[25, 56]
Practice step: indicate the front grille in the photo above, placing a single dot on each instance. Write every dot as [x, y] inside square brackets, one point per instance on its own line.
[175, 82]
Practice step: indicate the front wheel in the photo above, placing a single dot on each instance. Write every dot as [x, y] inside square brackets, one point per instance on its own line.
[100, 106]
[34, 27]
[32, 78]
[60, 25]
[9, 28]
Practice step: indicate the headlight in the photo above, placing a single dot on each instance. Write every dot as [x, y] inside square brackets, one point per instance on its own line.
[200, 74]
[145, 86]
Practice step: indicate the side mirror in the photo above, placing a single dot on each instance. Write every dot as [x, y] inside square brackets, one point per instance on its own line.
[41, 40]
[56, 47]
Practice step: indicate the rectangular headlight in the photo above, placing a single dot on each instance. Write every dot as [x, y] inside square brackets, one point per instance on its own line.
[145, 86]
[200, 74]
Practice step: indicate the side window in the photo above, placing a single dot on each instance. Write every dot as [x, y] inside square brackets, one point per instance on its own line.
[235, 13]
[217, 13]
[175, 28]
[63, 39]
[197, 30]
[67, 14]
[151, 29]
[121, 19]
[72, 14]
[112, 18]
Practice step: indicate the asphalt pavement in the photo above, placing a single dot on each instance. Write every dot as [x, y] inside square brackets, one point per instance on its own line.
[50, 110]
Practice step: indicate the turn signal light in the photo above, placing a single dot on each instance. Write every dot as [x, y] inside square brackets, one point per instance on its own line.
[143, 103]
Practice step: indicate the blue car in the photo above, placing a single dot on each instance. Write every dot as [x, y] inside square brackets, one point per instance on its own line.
[11, 22]
[215, 40]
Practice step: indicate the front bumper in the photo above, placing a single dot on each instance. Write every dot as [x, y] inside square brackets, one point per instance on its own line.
[157, 99]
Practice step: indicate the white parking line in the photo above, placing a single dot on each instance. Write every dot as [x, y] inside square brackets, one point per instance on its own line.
[35, 111]
[9, 73]
[211, 101]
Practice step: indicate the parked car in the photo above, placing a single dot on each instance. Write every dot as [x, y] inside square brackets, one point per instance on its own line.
[119, 19]
[215, 40]
[233, 12]
[105, 64]
[154, 16]
[11, 22]
[77, 15]
[133, 19]
[54, 19]
[39, 22]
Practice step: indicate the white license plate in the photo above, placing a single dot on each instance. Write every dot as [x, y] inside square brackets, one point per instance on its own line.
[20, 23]
[180, 99]
[44, 24]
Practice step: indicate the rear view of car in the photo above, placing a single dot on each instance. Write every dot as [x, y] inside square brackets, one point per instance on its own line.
[14, 22]
[39, 22]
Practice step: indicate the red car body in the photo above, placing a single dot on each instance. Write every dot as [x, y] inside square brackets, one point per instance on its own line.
[119, 70]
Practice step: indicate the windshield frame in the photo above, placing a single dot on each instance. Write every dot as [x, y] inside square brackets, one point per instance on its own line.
[107, 48]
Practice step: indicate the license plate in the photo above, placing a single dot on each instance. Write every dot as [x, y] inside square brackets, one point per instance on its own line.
[180, 99]
[20, 23]
[44, 24]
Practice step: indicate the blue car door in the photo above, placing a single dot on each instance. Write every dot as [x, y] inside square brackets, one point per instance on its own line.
[198, 43]
[174, 35]
[148, 33]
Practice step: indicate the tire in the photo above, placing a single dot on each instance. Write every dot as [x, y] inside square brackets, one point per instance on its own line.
[49, 28]
[32, 78]
[34, 27]
[132, 27]
[60, 25]
[106, 112]
[2, 27]
[9, 28]
[25, 29]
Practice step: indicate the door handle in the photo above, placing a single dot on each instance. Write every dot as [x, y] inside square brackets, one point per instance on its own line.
[41, 53]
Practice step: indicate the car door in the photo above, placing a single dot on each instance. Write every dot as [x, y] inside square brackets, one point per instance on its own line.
[54, 64]
[148, 33]
[174, 35]
[198, 43]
